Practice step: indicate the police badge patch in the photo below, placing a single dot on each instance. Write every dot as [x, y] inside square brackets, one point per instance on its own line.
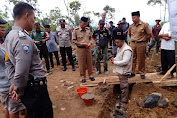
[25, 47]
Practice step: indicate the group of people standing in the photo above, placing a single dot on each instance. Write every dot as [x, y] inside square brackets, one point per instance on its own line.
[46, 41]
[23, 78]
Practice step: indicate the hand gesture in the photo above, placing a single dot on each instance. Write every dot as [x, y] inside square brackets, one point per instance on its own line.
[15, 96]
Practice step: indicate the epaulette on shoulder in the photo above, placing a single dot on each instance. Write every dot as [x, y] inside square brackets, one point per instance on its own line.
[21, 34]
[76, 28]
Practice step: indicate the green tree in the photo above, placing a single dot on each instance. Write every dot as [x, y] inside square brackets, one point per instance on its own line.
[109, 11]
[52, 18]
[74, 8]
[97, 14]
[33, 3]
[154, 2]
[160, 2]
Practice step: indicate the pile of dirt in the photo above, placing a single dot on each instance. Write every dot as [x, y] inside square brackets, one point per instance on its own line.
[107, 105]
[142, 90]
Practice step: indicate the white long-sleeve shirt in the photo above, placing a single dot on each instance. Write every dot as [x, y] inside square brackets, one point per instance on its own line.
[126, 59]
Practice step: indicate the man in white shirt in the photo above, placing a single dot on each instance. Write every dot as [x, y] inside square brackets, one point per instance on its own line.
[167, 50]
[103, 16]
[123, 67]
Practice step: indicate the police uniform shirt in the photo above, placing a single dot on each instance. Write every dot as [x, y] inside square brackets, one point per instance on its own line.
[51, 43]
[23, 58]
[4, 81]
[138, 32]
[38, 36]
[101, 34]
[64, 36]
[81, 36]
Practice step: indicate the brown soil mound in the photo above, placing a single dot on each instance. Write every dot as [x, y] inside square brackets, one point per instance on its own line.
[142, 90]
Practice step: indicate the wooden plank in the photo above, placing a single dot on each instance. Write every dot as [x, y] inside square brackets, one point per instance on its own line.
[150, 77]
[170, 82]
[115, 79]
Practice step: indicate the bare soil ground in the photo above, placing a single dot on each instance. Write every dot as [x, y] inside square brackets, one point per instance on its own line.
[67, 104]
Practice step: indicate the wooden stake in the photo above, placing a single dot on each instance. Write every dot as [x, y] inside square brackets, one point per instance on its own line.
[168, 72]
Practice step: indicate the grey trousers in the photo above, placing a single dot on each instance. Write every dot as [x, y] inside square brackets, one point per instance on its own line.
[124, 87]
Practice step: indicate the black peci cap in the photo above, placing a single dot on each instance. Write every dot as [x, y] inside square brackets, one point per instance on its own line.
[110, 22]
[37, 24]
[84, 19]
[47, 26]
[136, 13]
[123, 18]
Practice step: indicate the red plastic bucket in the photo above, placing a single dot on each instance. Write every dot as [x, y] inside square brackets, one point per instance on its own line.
[88, 98]
[81, 91]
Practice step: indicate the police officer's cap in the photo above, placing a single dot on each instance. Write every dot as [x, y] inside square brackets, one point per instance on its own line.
[47, 26]
[2, 23]
[120, 22]
[84, 19]
[136, 13]
[62, 21]
[110, 22]
[101, 21]
[37, 24]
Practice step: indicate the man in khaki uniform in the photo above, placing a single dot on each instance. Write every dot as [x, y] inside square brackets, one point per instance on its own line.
[139, 33]
[82, 38]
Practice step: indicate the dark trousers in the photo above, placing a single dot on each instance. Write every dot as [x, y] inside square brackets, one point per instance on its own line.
[56, 57]
[110, 42]
[168, 59]
[36, 100]
[126, 41]
[157, 43]
[44, 53]
[63, 51]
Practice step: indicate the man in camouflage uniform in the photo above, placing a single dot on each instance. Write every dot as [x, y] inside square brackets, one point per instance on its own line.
[101, 36]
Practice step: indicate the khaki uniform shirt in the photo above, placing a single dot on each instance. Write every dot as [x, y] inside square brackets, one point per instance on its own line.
[81, 36]
[138, 32]
[23, 59]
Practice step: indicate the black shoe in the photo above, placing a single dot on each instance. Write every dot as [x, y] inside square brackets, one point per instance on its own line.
[48, 71]
[64, 69]
[92, 78]
[132, 75]
[143, 76]
[73, 68]
[83, 80]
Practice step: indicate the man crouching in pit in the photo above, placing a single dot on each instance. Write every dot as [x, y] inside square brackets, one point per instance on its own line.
[122, 66]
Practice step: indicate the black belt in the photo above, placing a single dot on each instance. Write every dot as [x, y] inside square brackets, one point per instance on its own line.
[36, 83]
[41, 44]
[81, 47]
[137, 41]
